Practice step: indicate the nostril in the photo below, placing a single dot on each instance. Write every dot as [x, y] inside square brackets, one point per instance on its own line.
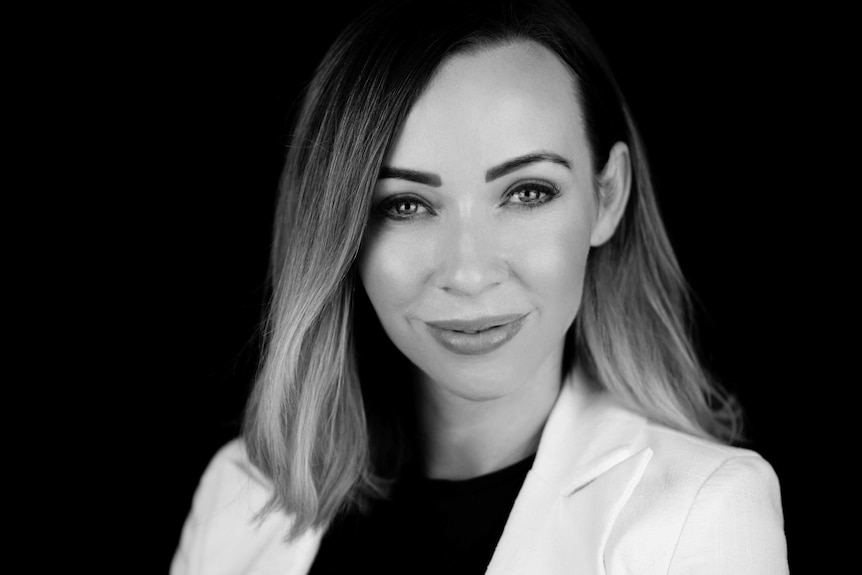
[469, 265]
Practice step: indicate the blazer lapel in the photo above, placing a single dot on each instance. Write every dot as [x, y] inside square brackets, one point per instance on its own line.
[587, 465]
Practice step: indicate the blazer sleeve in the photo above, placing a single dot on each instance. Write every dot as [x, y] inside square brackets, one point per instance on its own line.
[221, 535]
[735, 524]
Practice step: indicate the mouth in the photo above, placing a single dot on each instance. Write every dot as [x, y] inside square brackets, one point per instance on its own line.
[476, 336]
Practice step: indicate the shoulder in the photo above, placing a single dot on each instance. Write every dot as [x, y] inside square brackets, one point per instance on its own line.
[708, 507]
[686, 457]
[223, 532]
[231, 478]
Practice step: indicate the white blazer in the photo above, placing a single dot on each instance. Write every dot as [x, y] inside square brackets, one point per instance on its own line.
[609, 493]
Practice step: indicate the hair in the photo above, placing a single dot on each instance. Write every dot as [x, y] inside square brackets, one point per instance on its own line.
[327, 439]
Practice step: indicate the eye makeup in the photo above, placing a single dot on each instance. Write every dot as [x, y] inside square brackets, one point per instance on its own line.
[525, 194]
[542, 193]
[403, 207]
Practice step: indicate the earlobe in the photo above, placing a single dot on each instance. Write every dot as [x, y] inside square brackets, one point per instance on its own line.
[614, 186]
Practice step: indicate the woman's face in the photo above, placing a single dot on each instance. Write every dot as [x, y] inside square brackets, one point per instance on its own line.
[483, 215]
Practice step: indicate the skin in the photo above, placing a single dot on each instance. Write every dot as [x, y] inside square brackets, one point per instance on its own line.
[472, 247]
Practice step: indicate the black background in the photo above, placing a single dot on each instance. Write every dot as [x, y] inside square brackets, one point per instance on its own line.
[723, 97]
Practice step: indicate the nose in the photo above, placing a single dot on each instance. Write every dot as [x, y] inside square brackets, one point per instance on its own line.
[470, 259]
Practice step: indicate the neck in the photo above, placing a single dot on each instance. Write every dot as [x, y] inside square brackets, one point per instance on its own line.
[468, 437]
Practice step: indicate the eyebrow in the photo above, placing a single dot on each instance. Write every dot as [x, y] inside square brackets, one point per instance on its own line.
[521, 161]
[499, 171]
[411, 176]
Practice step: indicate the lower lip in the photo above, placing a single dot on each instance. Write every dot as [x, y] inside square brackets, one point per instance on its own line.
[477, 343]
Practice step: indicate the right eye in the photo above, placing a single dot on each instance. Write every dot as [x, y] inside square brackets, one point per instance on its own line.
[402, 208]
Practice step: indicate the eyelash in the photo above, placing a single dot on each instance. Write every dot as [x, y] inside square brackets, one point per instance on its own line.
[386, 207]
[550, 191]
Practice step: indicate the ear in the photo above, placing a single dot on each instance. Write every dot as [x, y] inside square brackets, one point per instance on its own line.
[613, 184]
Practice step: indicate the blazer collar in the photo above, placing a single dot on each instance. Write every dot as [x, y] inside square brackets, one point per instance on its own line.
[590, 459]
[586, 434]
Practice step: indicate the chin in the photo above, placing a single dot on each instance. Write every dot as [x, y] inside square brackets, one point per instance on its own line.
[492, 378]
[477, 387]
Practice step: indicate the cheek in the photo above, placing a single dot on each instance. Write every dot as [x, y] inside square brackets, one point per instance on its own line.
[387, 267]
[554, 265]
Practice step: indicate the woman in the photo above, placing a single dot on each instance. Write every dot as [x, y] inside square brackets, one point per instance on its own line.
[477, 350]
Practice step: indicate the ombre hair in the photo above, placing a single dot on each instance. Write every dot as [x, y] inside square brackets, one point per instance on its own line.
[322, 422]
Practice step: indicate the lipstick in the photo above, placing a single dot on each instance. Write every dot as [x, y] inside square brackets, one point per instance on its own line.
[476, 336]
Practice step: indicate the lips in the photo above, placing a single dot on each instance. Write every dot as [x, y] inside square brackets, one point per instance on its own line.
[476, 336]
[475, 325]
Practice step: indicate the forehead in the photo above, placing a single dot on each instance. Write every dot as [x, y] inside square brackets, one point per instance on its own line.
[492, 105]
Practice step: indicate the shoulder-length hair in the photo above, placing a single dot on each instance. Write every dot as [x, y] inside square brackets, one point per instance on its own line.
[317, 423]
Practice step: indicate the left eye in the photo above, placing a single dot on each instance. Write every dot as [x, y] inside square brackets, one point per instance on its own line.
[530, 194]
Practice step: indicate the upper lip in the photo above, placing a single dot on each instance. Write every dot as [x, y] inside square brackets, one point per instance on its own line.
[477, 324]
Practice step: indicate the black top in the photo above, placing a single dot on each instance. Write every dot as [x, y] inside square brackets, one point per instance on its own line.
[427, 526]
